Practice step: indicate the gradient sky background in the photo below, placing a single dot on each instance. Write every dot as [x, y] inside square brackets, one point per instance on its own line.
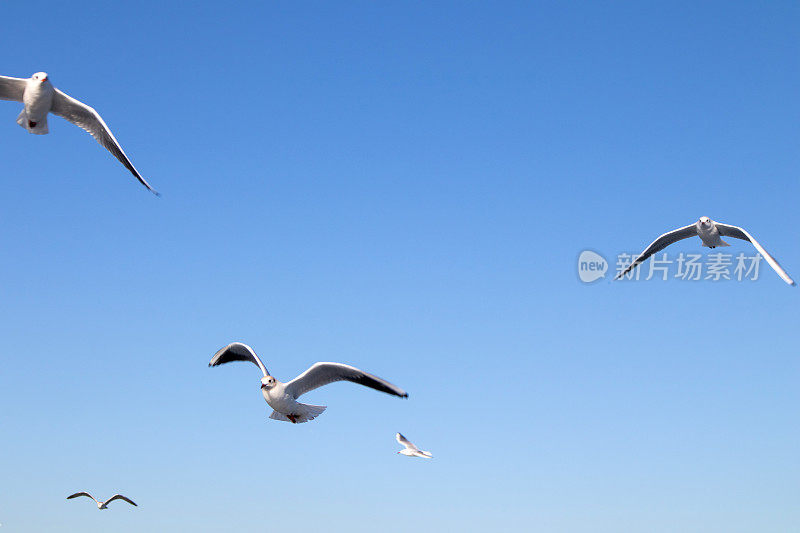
[404, 187]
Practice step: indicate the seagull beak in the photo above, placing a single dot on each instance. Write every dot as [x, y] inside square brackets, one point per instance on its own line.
[44, 79]
[263, 385]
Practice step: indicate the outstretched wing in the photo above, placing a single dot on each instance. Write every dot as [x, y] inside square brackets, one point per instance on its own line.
[405, 442]
[323, 373]
[81, 494]
[661, 243]
[237, 351]
[87, 118]
[12, 88]
[120, 497]
[739, 233]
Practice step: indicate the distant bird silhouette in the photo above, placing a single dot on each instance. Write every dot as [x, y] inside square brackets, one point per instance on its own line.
[102, 505]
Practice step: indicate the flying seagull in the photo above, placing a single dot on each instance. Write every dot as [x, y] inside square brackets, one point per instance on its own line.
[711, 234]
[102, 505]
[411, 450]
[282, 397]
[41, 98]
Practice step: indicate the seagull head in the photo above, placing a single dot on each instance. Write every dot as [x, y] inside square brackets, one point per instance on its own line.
[41, 77]
[704, 221]
[267, 382]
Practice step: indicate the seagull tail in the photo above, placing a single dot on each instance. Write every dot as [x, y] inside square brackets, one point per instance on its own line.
[310, 412]
[278, 416]
[39, 129]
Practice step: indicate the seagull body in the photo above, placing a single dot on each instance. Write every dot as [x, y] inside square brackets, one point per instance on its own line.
[710, 233]
[410, 450]
[102, 505]
[282, 397]
[39, 98]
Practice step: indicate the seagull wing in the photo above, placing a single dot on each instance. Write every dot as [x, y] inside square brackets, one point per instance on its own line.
[323, 373]
[237, 351]
[661, 243]
[87, 118]
[120, 497]
[739, 233]
[405, 442]
[81, 494]
[12, 88]
[423, 455]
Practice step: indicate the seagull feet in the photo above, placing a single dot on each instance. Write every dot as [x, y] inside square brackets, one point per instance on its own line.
[31, 124]
[293, 418]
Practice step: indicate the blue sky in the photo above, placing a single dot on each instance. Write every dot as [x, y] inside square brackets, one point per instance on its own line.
[404, 187]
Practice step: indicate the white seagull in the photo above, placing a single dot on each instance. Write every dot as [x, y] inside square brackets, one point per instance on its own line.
[41, 98]
[711, 234]
[282, 397]
[102, 505]
[411, 450]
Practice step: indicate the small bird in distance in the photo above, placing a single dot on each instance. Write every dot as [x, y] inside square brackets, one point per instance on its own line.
[411, 450]
[102, 505]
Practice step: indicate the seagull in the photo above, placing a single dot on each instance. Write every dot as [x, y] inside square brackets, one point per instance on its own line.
[411, 450]
[41, 98]
[711, 233]
[102, 505]
[282, 397]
